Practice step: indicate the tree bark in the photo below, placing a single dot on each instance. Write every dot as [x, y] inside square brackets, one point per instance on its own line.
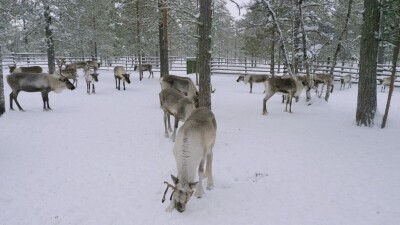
[138, 38]
[49, 40]
[205, 22]
[2, 99]
[366, 99]
[163, 38]
[281, 38]
[392, 78]
[296, 37]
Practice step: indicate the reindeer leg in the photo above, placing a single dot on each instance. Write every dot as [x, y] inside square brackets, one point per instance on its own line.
[199, 190]
[11, 101]
[93, 89]
[45, 99]
[14, 95]
[210, 178]
[289, 97]
[251, 87]
[123, 82]
[290, 103]
[268, 95]
[175, 128]
[116, 86]
[169, 123]
[165, 124]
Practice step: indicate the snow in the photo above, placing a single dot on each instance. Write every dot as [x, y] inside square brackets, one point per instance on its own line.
[102, 159]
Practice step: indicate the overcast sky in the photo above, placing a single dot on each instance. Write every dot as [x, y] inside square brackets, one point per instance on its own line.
[233, 9]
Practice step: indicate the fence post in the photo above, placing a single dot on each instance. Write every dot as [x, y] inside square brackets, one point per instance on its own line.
[245, 65]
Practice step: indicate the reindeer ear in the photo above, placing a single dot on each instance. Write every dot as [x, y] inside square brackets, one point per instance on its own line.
[174, 179]
[193, 185]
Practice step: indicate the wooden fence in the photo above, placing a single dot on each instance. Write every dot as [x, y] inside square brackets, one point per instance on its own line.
[226, 66]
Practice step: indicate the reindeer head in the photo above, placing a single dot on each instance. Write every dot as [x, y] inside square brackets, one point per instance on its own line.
[67, 83]
[126, 76]
[12, 67]
[95, 76]
[180, 195]
[241, 77]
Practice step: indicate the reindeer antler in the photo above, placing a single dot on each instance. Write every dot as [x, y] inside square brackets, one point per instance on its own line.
[166, 190]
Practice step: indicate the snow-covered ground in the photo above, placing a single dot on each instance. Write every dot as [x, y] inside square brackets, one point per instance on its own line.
[102, 159]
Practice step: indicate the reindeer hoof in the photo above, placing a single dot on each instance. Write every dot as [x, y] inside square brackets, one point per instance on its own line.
[210, 188]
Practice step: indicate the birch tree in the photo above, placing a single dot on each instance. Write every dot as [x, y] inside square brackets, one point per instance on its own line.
[391, 34]
[338, 48]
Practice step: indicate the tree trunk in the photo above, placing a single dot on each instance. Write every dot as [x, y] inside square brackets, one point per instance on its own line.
[392, 78]
[338, 47]
[304, 47]
[272, 68]
[2, 100]
[163, 38]
[205, 22]
[366, 100]
[381, 48]
[49, 40]
[296, 38]
[281, 38]
[139, 44]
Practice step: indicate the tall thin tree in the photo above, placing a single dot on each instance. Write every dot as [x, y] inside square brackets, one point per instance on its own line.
[49, 39]
[139, 38]
[163, 37]
[205, 23]
[2, 101]
[338, 48]
[366, 99]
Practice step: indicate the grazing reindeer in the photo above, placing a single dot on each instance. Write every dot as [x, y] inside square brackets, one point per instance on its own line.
[70, 73]
[90, 78]
[76, 65]
[174, 103]
[345, 79]
[120, 74]
[31, 69]
[94, 64]
[323, 79]
[145, 67]
[249, 78]
[183, 84]
[192, 149]
[384, 82]
[289, 86]
[36, 82]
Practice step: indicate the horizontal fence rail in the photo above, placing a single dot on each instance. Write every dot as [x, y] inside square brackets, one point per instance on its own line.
[224, 66]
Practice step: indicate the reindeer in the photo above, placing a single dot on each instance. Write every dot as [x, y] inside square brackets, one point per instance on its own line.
[323, 79]
[120, 74]
[345, 79]
[384, 82]
[289, 86]
[90, 78]
[36, 82]
[145, 67]
[183, 84]
[76, 65]
[31, 69]
[70, 73]
[94, 64]
[249, 78]
[192, 149]
[174, 103]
